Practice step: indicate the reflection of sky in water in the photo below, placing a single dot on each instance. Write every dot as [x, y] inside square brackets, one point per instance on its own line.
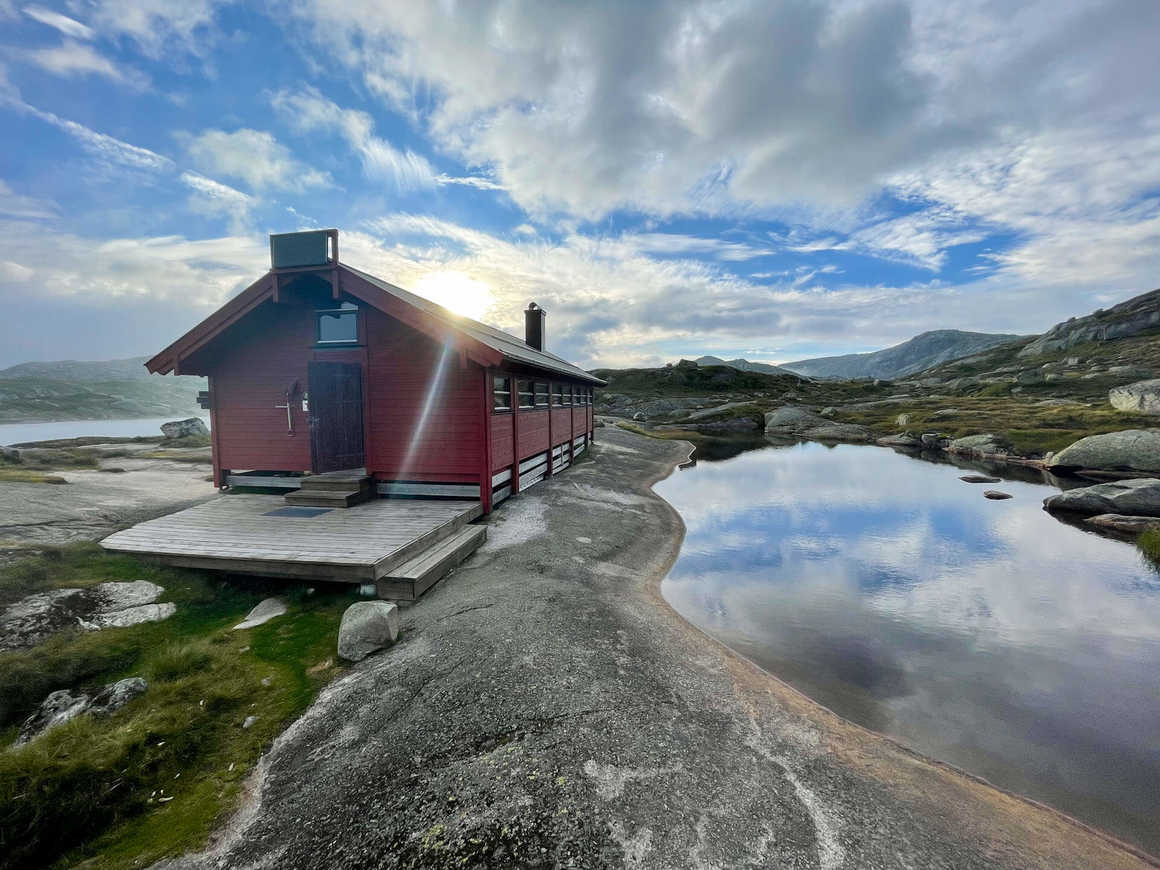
[984, 633]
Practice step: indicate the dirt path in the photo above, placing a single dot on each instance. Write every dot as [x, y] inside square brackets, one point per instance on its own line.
[545, 707]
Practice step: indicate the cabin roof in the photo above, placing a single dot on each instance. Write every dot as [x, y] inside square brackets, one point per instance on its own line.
[431, 314]
[505, 343]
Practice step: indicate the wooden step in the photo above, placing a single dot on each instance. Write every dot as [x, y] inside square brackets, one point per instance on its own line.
[327, 498]
[323, 483]
[411, 579]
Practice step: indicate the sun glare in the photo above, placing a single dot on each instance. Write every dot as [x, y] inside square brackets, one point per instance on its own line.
[456, 292]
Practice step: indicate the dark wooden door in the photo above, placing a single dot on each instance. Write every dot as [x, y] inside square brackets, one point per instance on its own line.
[336, 416]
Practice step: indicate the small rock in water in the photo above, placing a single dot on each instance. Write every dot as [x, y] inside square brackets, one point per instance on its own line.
[264, 611]
[979, 478]
[1122, 523]
[996, 495]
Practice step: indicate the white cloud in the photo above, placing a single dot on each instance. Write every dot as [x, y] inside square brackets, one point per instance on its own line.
[158, 26]
[217, 199]
[77, 59]
[476, 181]
[202, 274]
[99, 144]
[67, 26]
[254, 157]
[15, 205]
[309, 111]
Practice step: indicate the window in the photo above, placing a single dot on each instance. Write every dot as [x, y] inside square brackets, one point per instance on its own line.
[338, 325]
[557, 394]
[587, 391]
[568, 394]
[502, 390]
[541, 394]
[527, 395]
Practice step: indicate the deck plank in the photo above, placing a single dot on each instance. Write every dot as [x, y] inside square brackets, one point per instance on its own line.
[357, 544]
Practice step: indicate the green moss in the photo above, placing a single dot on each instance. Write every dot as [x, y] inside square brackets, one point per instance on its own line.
[27, 475]
[91, 792]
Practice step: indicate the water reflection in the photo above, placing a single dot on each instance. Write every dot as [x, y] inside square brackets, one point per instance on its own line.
[983, 633]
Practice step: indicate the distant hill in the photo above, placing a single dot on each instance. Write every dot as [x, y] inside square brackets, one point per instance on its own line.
[745, 365]
[912, 356]
[689, 379]
[102, 390]
[1138, 314]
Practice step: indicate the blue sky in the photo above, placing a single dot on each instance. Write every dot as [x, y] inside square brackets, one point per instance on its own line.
[774, 180]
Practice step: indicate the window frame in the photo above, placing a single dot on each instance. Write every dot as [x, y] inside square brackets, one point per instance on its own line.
[521, 392]
[536, 385]
[352, 311]
[496, 392]
[557, 394]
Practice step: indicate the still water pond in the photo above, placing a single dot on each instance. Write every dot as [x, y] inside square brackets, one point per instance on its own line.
[20, 433]
[983, 633]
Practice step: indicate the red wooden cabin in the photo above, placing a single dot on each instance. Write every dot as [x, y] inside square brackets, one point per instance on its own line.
[319, 367]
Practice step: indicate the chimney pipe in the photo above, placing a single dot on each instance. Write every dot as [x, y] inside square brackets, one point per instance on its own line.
[534, 317]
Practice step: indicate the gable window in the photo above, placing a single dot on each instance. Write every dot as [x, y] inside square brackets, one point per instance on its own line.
[541, 394]
[502, 390]
[527, 396]
[338, 325]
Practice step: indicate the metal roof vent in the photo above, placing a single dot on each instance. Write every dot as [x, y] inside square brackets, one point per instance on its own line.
[302, 250]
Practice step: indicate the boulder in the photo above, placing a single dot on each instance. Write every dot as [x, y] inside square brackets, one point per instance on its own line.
[1136, 497]
[10, 456]
[839, 432]
[934, 441]
[902, 439]
[128, 616]
[1130, 450]
[828, 411]
[367, 626]
[1029, 376]
[116, 695]
[1142, 397]
[902, 419]
[59, 707]
[184, 428]
[979, 445]
[944, 413]
[1123, 523]
[792, 420]
[263, 612]
[62, 706]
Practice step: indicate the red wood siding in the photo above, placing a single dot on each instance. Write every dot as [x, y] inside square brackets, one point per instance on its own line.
[561, 425]
[579, 423]
[533, 432]
[252, 369]
[424, 419]
[502, 441]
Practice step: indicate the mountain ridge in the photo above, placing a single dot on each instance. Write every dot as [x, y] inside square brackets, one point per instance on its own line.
[923, 351]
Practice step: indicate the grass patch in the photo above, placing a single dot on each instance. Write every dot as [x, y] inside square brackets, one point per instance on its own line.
[152, 779]
[1149, 544]
[28, 475]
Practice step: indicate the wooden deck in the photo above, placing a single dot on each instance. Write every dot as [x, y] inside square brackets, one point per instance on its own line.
[259, 534]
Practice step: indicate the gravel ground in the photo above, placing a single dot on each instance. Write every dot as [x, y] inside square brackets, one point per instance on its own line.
[546, 708]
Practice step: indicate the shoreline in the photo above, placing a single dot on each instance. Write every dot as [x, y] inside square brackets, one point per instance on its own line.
[653, 587]
[547, 705]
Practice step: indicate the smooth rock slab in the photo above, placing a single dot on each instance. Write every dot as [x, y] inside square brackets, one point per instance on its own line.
[121, 595]
[979, 445]
[265, 610]
[1124, 523]
[1136, 497]
[129, 616]
[1131, 449]
[367, 626]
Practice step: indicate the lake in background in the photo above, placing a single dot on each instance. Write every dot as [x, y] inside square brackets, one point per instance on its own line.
[19, 433]
[983, 633]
